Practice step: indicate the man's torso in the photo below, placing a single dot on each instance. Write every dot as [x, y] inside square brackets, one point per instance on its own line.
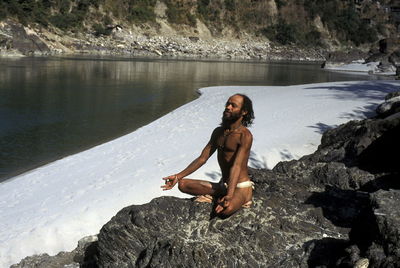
[228, 144]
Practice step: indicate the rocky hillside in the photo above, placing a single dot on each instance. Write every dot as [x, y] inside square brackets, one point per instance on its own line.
[337, 207]
[199, 28]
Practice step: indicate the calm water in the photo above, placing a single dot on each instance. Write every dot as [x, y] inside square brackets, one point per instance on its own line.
[53, 107]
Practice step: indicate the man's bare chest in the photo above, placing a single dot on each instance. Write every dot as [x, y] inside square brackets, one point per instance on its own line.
[228, 142]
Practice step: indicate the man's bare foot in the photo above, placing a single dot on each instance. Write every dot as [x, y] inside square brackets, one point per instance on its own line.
[247, 204]
[206, 198]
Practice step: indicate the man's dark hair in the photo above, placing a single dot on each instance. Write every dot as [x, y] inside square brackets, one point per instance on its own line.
[247, 107]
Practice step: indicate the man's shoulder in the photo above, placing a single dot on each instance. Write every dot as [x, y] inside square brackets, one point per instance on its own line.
[246, 132]
[218, 129]
[217, 132]
[245, 136]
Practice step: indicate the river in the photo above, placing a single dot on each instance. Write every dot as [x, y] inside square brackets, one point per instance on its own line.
[51, 107]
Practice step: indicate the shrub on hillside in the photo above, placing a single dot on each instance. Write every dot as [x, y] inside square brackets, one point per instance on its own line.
[141, 11]
[180, 14]
[141, 14]
[66, 21]
[342, 17]
[282, 32]
[230, 5]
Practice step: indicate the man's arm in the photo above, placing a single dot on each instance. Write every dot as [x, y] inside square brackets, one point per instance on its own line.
[206, 153]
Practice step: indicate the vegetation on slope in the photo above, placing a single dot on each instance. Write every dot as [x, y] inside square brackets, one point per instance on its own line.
[283, 21]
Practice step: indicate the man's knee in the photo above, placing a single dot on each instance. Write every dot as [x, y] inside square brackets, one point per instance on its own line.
[182, 185]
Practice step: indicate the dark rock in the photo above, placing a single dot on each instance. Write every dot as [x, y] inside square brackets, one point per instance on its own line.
[351, 258]
[345, 143]
[378, 57]
[172, 232]
[5, 41]
[338, 175]
[45, 261]
[346, 56]
[389, 45]
[82, 255]
[394, 58]
[385, 251]
[194, 38]
[378, 157]
[389, 107]
[392, 95]
[25, 43]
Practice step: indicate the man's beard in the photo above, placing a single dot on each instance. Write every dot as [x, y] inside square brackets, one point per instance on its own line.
[229, 120]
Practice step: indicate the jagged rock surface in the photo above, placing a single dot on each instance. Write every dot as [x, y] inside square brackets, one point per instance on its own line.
[86, 247]
[13, 36]
[171, 232]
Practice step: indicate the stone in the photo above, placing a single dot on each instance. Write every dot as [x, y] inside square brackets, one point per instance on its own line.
[172, 232]
[389, 107]
[73, 259]
[362, 263]
[385, 251]
[392, 95]
[24, 40]
[389, 45]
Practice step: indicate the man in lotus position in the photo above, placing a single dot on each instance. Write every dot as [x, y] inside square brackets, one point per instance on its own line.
[233, 142]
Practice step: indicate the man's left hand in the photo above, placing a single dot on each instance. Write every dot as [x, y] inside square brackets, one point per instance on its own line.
[223, 203]
[170, 182]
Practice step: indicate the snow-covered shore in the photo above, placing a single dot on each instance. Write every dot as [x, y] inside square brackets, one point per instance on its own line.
[362, 67]
[50, 208]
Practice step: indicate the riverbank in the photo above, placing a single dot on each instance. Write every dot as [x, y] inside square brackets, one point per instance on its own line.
[17, 40]
[52, 207]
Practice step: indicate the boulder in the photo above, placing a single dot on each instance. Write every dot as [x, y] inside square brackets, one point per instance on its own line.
[389, 107]
[74, 259]
[346, 56]
[286, 227]
[21, 40]
[385, 249]
[389, 45]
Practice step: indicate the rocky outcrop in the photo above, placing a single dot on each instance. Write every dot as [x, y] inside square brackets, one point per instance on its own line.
[334, 208]
[390, 106]
[387, 55]
[18, 39]
[86, 247]
[345, 57]
[383, 58]
[170, 232]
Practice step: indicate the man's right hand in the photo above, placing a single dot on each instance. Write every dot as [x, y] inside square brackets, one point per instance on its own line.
[170, 182]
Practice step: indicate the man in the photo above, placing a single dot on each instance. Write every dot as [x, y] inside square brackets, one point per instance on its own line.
[233, 141]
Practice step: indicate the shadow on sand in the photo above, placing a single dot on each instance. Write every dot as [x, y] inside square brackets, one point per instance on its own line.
[372, 92]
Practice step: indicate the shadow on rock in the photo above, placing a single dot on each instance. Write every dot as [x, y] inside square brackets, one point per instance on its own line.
[325, 252]
[379, 155]
[341, 207]
[320, 128]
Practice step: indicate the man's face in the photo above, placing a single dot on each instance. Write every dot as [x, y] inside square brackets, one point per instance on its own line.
[233, 109]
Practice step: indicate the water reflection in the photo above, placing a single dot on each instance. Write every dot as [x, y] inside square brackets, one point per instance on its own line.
[52, 107]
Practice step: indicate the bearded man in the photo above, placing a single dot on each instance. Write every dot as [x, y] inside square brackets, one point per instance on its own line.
[232, 141]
